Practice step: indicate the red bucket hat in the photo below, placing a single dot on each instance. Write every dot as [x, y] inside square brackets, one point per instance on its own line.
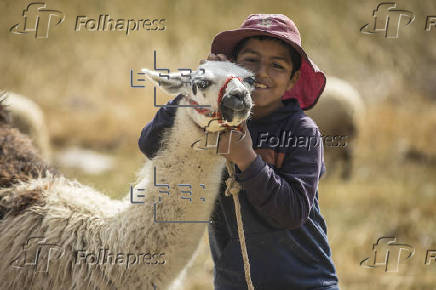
[311, 83]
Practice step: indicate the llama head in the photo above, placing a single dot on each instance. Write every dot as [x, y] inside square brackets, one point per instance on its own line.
[223, 87]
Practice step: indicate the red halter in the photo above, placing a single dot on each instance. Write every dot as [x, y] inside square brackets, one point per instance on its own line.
[216, 114]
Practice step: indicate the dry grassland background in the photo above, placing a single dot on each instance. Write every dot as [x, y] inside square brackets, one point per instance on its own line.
[82, 82]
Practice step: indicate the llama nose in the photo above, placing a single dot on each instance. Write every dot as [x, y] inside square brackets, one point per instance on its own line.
[234, 101]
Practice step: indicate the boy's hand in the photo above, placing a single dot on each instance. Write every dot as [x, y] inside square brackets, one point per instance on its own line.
[218, 57]
[240, 147]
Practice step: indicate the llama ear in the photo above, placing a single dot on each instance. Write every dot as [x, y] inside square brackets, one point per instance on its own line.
[171, 83]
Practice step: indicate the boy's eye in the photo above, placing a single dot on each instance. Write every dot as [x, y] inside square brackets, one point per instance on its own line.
[249, 80]
[203, 84]
[248, 59]
[276, 65]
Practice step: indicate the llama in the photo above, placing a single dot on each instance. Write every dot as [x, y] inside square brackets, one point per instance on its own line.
[83, 239]
[338, 114]
[28, 117]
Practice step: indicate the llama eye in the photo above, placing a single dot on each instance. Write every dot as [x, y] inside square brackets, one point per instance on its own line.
[249, 80]
[203, 84]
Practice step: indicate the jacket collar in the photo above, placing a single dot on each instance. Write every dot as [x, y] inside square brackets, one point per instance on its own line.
[290, 107]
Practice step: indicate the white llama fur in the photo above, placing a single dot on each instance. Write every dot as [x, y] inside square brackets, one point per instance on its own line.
[28, 117]
[339, 113]
[76, 217]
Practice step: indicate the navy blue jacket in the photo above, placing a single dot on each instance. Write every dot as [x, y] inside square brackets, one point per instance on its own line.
[286, 235]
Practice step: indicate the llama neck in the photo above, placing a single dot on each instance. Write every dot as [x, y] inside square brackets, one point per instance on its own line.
[180, 164]
[187, 181]
[174, 214]
[176, 207]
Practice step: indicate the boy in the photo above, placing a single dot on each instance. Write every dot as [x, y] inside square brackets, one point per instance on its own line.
[278, 163]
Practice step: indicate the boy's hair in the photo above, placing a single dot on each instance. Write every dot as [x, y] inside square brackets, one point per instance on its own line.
[295, 56]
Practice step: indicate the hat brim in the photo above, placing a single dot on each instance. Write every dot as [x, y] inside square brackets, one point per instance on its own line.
[311, 82]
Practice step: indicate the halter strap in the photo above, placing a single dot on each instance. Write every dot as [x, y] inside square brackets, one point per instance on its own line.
[215, 114]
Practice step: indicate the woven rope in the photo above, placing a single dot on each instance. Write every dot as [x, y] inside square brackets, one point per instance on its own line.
[233, 188]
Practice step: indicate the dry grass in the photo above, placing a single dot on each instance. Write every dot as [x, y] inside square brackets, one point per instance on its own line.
[81, 80]
[388, 196]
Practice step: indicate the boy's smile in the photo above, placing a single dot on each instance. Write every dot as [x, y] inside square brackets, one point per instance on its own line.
[272, 64]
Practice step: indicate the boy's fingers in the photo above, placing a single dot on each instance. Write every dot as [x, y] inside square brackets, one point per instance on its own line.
[212, 56]
[219, 57]
[244, 127]
[222, 57]
[240, 134]
[216, 57]
[244, 131]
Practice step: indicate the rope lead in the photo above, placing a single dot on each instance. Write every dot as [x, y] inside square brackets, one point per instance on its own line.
[233, 188]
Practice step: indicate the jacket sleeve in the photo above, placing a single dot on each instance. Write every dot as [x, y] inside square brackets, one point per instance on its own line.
[151, 135]
[284, 196]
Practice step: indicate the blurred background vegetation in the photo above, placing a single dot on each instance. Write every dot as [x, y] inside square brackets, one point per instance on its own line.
[82, 82]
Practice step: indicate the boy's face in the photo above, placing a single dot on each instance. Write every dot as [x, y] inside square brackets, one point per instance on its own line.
[272, 64]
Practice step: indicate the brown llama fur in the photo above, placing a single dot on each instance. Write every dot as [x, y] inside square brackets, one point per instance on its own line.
[19, 162]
